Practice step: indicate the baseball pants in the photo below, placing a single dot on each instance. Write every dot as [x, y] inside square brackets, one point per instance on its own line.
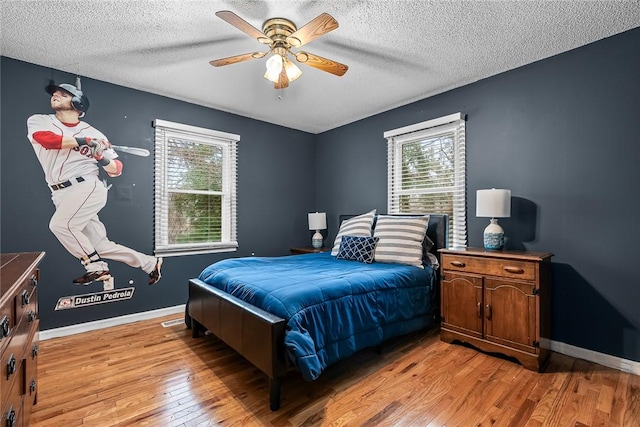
[78, 228]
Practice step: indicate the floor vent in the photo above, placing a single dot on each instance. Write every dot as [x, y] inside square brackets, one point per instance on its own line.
[170, 323]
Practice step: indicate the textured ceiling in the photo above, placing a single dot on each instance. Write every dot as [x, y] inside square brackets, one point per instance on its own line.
[397, 51]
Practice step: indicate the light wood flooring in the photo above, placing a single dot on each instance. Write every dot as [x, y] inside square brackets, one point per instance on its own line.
[144, 374]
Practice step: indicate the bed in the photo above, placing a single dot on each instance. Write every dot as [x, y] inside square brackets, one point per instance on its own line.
[306, 312]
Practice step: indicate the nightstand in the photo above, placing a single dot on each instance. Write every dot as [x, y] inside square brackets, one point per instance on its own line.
[497, 301]
[308, 250]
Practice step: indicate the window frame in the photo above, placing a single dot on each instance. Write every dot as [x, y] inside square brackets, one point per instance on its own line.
[453, 124]
[164, 131]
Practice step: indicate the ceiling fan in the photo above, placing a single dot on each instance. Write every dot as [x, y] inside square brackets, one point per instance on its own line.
[281, 35]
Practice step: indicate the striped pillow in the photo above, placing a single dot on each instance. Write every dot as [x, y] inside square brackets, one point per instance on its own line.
[400, 239]
[357, 226]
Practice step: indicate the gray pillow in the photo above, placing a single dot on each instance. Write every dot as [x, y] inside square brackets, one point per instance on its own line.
[400, 239]
[357, 226]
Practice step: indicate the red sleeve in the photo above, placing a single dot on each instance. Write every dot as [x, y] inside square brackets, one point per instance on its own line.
[118, 171]
[48, 139]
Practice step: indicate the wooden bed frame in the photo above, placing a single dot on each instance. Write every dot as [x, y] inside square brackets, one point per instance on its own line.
[256, 334]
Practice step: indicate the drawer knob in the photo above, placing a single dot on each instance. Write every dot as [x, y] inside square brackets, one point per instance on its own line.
[34, 351]
[34, 281]
[31, 316]
[32, 386]
[11, 417]
[4, 326]
[514, 270]
[458, 263]
[25, 298]
[11, 366]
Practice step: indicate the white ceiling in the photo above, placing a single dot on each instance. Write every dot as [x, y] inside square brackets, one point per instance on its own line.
[397, 51]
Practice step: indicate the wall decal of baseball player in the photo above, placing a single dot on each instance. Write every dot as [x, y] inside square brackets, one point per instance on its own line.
[71, 153]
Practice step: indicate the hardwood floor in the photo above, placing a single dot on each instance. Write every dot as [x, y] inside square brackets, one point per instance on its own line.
[144, 374]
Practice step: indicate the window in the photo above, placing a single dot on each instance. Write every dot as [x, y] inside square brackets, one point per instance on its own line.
[426, 171]
[195, 190]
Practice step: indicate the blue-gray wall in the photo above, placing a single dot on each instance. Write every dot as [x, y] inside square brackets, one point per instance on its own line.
[276, 177]
[564, 135]
[561, 133]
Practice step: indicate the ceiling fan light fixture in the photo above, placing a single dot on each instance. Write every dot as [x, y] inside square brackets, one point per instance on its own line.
[281, 35]
[274, 68]
[292, 70]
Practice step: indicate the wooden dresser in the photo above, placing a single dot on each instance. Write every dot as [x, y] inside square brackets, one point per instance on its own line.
[498, 301]
[19, 326]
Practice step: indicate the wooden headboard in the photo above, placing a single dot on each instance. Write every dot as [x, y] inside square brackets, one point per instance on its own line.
[438, 230]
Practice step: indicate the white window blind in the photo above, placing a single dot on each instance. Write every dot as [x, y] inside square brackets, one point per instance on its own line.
[427, 171]
[194, 189]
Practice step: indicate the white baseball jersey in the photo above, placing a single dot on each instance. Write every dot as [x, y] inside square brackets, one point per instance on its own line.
[60, 165]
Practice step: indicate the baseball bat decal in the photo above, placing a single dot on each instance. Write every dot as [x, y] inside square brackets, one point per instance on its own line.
[132, 150]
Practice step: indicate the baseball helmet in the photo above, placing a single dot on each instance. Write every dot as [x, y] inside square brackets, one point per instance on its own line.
[79, 100]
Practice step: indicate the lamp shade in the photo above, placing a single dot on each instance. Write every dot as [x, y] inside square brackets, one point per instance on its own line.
[292, 70]
[318, 221]
[274, 67]
[494, 203]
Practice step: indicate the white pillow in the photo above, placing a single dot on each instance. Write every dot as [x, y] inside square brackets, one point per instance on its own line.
[357, 226]
[400, 239]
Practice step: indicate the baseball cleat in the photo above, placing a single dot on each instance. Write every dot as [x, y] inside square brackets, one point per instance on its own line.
[92, 276]
[155, 275]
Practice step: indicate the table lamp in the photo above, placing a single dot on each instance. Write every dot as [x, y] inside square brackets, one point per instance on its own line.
[317, 222]
[494, 203]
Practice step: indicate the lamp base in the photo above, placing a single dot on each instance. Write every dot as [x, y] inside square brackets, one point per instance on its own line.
[317, 240]
[493, 236]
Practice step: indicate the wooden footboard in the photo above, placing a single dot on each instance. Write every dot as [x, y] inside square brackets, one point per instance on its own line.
[254, 333]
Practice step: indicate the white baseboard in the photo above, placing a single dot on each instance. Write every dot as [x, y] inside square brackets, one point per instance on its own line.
[106, 323]
[619, 363]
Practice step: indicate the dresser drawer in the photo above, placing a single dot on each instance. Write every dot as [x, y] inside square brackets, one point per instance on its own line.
[12, 407]
[19, 336]
[515, 269]
[12, 357]
[10, 378]
[31, 372]
[26, 299]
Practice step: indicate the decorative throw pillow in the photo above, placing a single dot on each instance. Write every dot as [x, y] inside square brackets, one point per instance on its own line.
[356, 248]
[400, 239]
[357, 226]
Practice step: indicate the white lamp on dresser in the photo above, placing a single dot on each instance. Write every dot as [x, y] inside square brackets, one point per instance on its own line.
[317, 222]
[494, 204]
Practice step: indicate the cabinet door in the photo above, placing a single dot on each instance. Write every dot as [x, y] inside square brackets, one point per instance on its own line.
[462, 303]
[510, 313]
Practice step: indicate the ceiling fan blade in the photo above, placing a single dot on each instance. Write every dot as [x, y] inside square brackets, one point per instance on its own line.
[321, 63]
[283, 81]
[317, 27]
[243, 25]
[236, 59]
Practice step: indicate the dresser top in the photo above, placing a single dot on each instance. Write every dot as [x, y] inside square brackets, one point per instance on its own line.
[15, 268]
[523, 255]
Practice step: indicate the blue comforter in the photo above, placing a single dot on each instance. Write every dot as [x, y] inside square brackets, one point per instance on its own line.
[333, 307]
